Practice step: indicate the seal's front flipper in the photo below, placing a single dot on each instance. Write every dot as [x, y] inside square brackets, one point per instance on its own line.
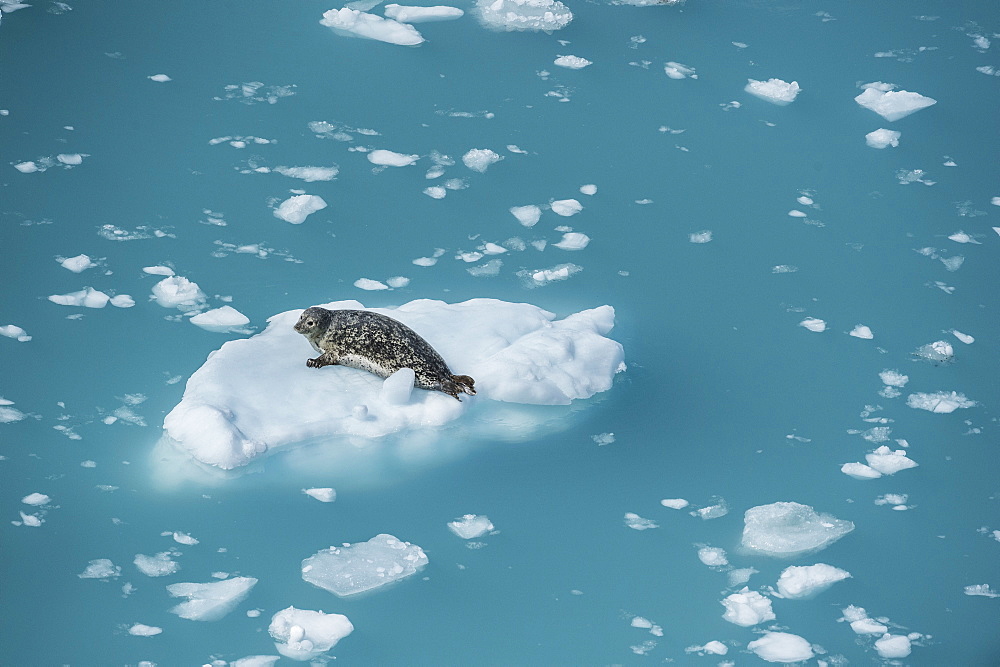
[325, 359]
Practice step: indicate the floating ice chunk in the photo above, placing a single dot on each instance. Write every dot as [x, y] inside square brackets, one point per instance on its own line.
[158, 270]
[893, 378]
[747, 608]
[889, 462]
[679, 71]
[774, 91]
[221, 320]
[940, 350]
[962, 237]
[36, 499]
[398, 387]
[952, 263]
[479, 159]
[28, 167]
[184, 538]
[860, 623]
[88, 297]
[435, 192]
[589, 189]
[539, 277]
[860, 471]
[573, 241]
[369, 284]
[572, 62]
[965, 338]
[893, 646]
[801, 582]
[941, 402]
[303, 634]
[566, 207]
[740, 576]
[862, 331]
[363, 566]
[77, 264]
[210, 601]
[100, 568]
[178, 292]
[309, 174]
[983, 590]
[523, 14]
[249, 661]
[31, 520]
[297, 208]
[713, 556]
[386, 158]
[715, 511]
[790, 529]
[122, 301]
[813, 324]
[16, 332]
[781, 647]
[408, 14]
[636, 522]
[471, 526]
[141, 630]
[704, 236]
[892, 104]
[602, 439]
[674, 503]
[710, 648]
[159, 565]
[527, 215]
[322, 494]
[486, 269]
[361, 24]
[795, 213]
[883, 138]
[71, 159]
[159, 78]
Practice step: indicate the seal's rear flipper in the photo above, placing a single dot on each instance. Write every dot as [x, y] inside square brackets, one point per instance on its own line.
[465, 384]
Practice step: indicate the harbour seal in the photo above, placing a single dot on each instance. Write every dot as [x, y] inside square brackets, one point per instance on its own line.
[378, 344]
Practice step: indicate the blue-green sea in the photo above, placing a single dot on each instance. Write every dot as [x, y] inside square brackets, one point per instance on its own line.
[764, 262]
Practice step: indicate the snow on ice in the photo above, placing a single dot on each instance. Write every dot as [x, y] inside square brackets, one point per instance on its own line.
[479, 159]
[571, 62]
[363, 566]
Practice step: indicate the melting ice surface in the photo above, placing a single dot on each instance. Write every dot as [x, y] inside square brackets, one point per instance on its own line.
[792, 208]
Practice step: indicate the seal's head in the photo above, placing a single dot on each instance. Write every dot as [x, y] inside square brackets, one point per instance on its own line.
[314, 321]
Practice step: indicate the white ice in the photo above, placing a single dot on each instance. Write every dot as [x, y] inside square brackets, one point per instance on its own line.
[679, 71]
[813, 324]
[479, 159]
[361, 24]
[774, 91]
[789, 529]
[893, 378]
[891, 646]
[713, 647]
[36, 499]
[159, 78]
[410, 14]
[804, 581]
[398, 387]
[221, 320]
[571, 62]
[983, 590]
[573, 241]
[636, 522]
[183, 538]
[385, 158]
[363, 566]
[88, 297]
[303, 634]
[781, 647]
[674, 503]
[309, 174]
[471, 526]
[248, 661]
[159, 565]
[142, 630]
[889, 462]
[158, 270]
[940, 402]
[77, 264]
[178, 292]
[862, 331]
[860, 471]
[297, 208]
[713, 556]
[589, 189]
[747, 608]
[540, 277]
[322, 494]
[15, 332]
[892, 104]
[704, 236]
[510, 15]
[883, 138]
[370, 285]
[527, 215]
[939, 350]
[100, 568]
[566, 207]
[210, 601]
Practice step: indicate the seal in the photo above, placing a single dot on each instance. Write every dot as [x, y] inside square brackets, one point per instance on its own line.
[378, 344]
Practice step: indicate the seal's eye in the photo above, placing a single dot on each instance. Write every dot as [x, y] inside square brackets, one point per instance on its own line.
[311, 323]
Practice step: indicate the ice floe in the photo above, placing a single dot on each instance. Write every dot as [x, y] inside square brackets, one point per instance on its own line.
[15, 332]
[892, 104]
[804, 581]
[540, 277]
[479, 159]
[143, 630]
[571, 62]
[889, 462]
[322, 494]
[159, 565]
[221, 320]
[573, 241]
[363, 566]
[309, 174]
[527, 215]
[813, 324]
[566, 207]
[471, 526]
[100, 568]
[774, 91]
[412, 14]
[303, 634]
[860, 622]
[781, 647]
[941, 402]
[347, 21]
[510, 15]
[678, 71]
[636, 522]
[36, 499]
[674, 503]
[210, 601]
[893, 646]
[77, 264]
[862, 331]
[704, 236]
[88, 297]
[713, 556]
[385, 158]
[713, 647]
[982, 590]
[789, 529]
[940, 350]
[159, 78]
[747, 608]
[178, 292]
[297, 208]
[883, 138]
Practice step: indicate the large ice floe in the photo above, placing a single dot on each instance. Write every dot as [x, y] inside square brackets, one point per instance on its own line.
[363, 566]
[789, 529]
[545, 15]
[256, 394]
[347, 21]
[892, 104]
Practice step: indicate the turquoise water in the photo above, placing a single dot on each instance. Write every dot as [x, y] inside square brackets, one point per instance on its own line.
[725, 396]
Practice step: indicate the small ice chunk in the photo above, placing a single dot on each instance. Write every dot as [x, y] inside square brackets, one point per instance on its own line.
[983, 590]
[36, 499]
[158, 270]
[410, 14]
[965, 338]
[479, 159]
[566, 207]
[801, 582]
[781, 647]
[369, 284]
[361, 24]
[674, 503]
[636, 522]
[892, 104]
[862, 331]
[159, 565]
[860, 471]
[940, 350]
[893, 646]
[719, 509]
[603, 439]
[210, 601]
[141, 630]
[88, 297]
[178, 292]
[883, 138]
[100, 568]
[16, 332]
[795, 213]
[571, 62]
[790, 529]
[297, 208]
[71, 159]
[471, 526]
[397, 388]
[28, 167]
[962, 237]
[893, 378]
[435, 192]
[303, 634]
[221, 320]
[122, 301]
[31, 520]
[541, 277]
[813, 324]
[77, 264]
[184, 538]
[385, 158]
[740, 576]
[511, 15]
[713, 556]
[309, 174]
[159, 78]
[774, 91]
[941, 402]
[679, 71]
[363, 566]
[889, 462]
[703, 236]
[486, 269]
[322, 494]
[527, 215]
[713, 647]
[573, 241]
[589, 189]
[747, 608]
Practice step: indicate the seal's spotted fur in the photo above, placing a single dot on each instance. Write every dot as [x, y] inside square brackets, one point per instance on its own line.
[378, 344]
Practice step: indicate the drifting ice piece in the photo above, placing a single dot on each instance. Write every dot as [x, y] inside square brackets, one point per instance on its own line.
[211, 601]
[789, 529]
[303, 634]
[892, 104]
[363, 566]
